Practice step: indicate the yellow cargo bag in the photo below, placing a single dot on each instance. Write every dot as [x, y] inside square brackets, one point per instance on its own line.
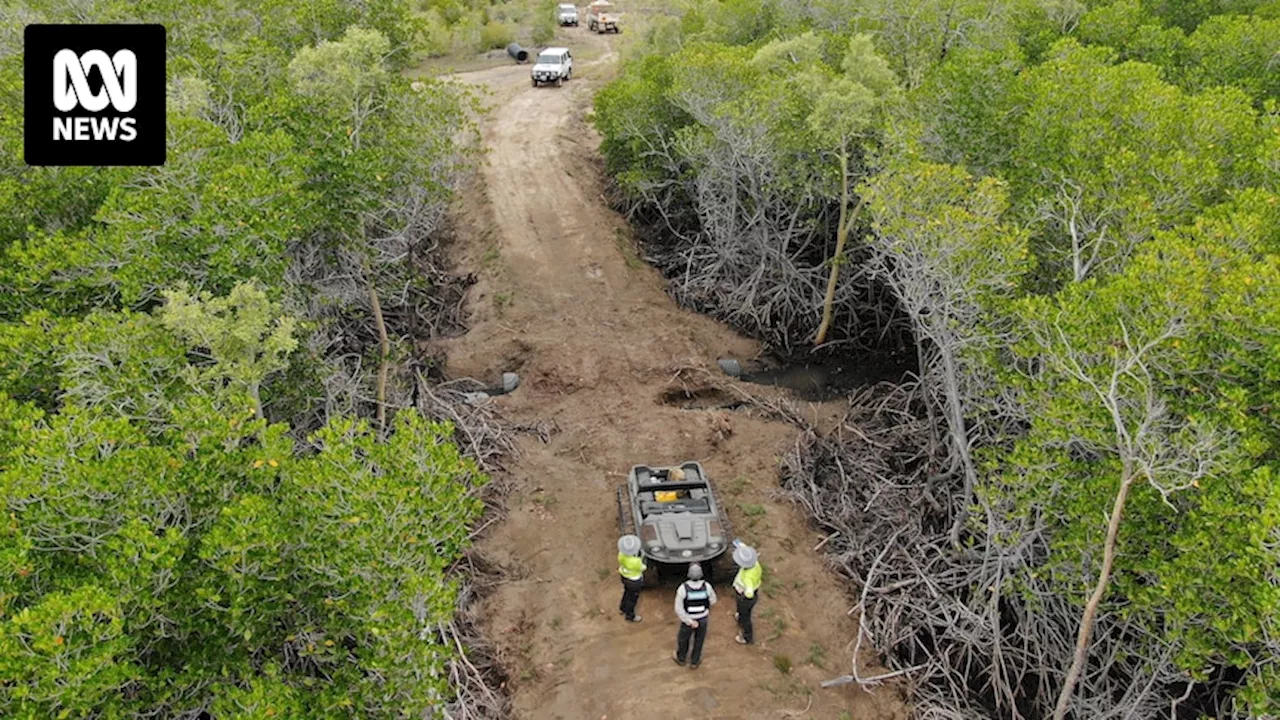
[665, 495]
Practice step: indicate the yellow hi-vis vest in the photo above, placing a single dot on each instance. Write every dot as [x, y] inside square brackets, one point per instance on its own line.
[747, 581]
[631, 567]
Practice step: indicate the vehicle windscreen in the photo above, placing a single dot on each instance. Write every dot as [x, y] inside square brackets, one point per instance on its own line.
[549, 59]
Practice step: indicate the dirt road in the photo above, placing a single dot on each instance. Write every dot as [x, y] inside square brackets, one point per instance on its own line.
[562, 297]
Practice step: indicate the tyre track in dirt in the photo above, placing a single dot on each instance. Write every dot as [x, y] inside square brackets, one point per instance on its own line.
[561, 296]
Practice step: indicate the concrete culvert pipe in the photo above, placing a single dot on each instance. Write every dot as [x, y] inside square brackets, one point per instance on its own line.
[517, 52]
[510, 381]
[730, 367]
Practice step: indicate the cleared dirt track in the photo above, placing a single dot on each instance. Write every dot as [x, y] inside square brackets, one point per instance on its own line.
[562, 297]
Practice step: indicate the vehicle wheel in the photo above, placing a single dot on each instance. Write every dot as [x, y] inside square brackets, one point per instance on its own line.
[651, 576]
[724, 569]
[569, 75]
[626, 521]
[560, 81]
[724, 564]
[721, 514]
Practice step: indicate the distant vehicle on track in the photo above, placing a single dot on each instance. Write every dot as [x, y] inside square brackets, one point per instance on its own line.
[601, 17]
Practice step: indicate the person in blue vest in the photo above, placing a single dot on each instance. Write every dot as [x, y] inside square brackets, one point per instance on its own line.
[693, 606]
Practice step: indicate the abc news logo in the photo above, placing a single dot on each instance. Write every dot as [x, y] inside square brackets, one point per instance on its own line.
[71, 90]
[94, 95]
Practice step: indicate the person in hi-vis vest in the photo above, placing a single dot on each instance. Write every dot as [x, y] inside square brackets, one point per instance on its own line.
[631, 567]
[745, 585]
[693, 606]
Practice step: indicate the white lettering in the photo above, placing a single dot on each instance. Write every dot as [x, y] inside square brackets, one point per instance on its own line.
[105, 127]
[95, 128]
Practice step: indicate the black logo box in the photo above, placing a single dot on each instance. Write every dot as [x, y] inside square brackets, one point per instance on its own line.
[41, 43]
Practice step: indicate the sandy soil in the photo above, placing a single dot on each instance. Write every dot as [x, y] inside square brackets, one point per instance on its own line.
[562, 298]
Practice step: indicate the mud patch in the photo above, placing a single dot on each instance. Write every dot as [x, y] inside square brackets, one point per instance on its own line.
[705, 398]
[824, 375]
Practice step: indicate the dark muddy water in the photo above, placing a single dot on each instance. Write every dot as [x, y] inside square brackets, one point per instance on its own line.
[827, 374]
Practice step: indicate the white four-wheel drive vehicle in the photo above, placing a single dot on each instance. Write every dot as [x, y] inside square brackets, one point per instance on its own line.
[567, 14]
[554, 65]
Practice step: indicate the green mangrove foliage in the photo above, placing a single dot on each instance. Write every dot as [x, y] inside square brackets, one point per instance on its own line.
[200, 514]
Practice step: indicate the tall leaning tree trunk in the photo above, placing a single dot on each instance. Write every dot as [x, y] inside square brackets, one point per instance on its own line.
[1099, 591]
[385, 349]
[842, 236]
[959, 438]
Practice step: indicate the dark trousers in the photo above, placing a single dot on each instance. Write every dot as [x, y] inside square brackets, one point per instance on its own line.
[630, 594]
[699, 635]
[745, 605]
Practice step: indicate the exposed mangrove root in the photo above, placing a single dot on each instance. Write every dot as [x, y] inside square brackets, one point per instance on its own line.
[975, 631]
[475, 672]
[697, 381]
[477, 429]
